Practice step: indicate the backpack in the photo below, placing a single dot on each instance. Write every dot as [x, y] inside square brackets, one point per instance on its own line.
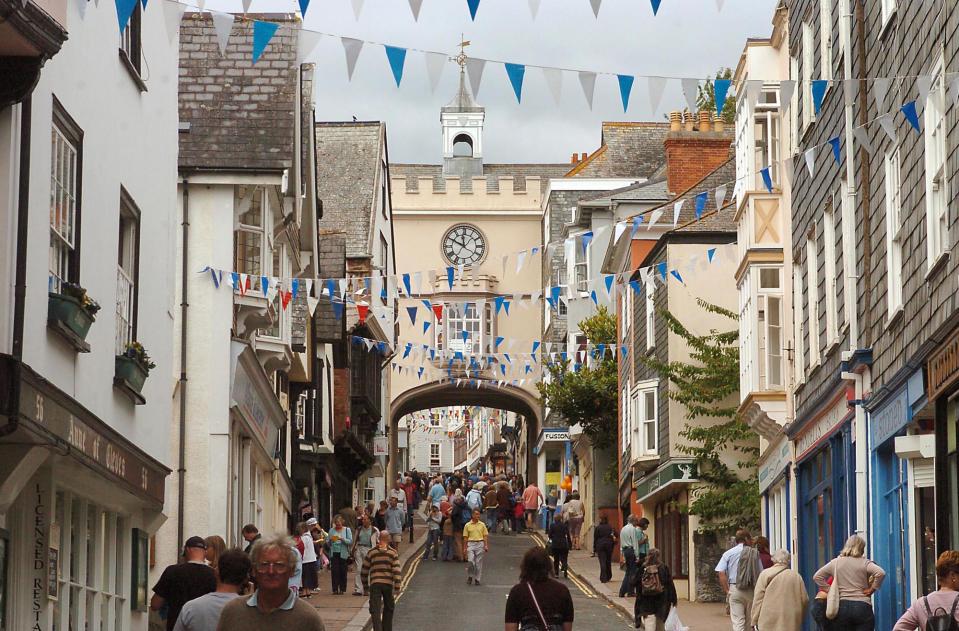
[466, 513]
[650, 583]
[941, 621]
[746, 570]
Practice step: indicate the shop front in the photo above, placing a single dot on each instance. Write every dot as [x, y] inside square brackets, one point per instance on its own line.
[825, 468]
[775, 488]
[892, 494]
[78, 505]
[942, 371]
[553, 452]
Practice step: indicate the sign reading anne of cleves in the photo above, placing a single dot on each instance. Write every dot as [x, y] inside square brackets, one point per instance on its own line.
[664, 476]
[823, 427]
[91, 441]
[943, 367]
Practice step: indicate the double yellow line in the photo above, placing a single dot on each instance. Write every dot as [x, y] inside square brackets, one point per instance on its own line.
[408, 576]
[578, 582]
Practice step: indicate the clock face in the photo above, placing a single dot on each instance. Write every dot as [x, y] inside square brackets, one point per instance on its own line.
[464, 245]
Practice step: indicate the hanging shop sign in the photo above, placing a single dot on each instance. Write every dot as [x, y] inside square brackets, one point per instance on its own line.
[667, 475]
[44, 410]
[381, 446]
[551, 436]
[776, 462]
[251, 393]
[943, 367]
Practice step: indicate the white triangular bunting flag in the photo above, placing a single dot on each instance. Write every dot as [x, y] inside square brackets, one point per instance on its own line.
[418, 282]
[172, 14]
[786, 89]
[677, 208]
[862, 137]
[618, 231]
[954, 90]
[888, 125]
[923, 85]
[656, 86]
[474, 68]
[588, 82]
[222, 24]
[534, 8]
[435, 62]
[246, 5]
[352, 48]
[654, 218]
[82, 7]
[691, 92]
[415, 6]
[880, 88]
[810, 157]
[357, 7]
[754, 90]
[720, 195]
[719, 4]
[520, 260]
[306, 44]
[554, 79]
[595, 4]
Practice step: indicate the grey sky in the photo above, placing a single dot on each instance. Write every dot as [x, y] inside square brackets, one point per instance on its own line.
[687, 38]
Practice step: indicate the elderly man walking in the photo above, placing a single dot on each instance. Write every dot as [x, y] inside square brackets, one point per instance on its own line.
[273, 605]
[738, 570]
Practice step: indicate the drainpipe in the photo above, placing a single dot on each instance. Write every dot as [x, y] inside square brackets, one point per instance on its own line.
[23, 214]
[865, 171]
[849, 265]
[184, 306]
[860, 384]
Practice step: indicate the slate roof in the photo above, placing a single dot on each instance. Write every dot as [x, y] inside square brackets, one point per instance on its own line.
[629, 149]
[347, 164]
[519, 173]
[649, 191]
[240, 115]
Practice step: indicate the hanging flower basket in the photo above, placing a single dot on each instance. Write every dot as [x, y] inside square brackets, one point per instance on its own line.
[133, 366]
[72, 311]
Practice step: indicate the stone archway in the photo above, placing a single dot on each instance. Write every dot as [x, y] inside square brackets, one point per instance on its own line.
[446, 393]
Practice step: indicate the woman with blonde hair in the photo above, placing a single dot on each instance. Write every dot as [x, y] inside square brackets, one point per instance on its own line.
[780, 598]
[215, 547]
[858, 578]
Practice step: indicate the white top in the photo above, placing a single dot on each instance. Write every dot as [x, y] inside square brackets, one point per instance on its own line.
[400, 496]
[309, 551]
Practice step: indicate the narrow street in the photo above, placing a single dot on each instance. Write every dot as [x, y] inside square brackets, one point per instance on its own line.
[437, 597]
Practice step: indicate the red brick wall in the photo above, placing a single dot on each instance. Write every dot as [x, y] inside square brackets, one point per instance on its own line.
[690, 155]
[341, 399]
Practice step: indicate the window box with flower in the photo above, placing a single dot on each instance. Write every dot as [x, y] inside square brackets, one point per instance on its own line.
[71, 312]
[131, 371]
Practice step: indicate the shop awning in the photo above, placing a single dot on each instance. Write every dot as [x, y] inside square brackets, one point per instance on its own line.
[668, 475]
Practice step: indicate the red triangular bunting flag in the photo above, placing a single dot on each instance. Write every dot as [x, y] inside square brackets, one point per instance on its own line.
[285, 297]
[362, 310]
[438, 310]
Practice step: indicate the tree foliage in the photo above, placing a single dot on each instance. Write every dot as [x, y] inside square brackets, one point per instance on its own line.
[588, 395]
[706, 100]
[706, 386]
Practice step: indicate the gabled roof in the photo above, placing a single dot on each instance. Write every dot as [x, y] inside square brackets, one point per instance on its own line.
[348, 162]
[240, 115]
[632, 149]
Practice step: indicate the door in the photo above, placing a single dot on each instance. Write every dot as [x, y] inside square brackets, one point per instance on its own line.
[890, 547]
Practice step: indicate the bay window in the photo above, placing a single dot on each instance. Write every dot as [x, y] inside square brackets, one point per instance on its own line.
[644, 430]
[250, 249]
[766, 126]
[934, 131]
[475, 319]
[769, 327]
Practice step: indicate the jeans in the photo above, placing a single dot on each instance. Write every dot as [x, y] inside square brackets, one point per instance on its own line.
[853, 616]
[560, 558]
[447, 553]
[474, 554]
[629, 555]
[490, 519]
[359, 555]
[381, 595]
[338, 571]
[432, 544]
[605, 556]
[740, 608]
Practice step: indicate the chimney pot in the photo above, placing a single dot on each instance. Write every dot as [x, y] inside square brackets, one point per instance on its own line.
[705, 122]
[675, 121]
[719, 124]
[689, 121]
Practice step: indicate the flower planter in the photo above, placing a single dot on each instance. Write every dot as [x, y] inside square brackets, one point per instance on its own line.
[131, 372]
[67, 311]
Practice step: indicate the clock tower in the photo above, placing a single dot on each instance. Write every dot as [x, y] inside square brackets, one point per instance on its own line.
[462, 121]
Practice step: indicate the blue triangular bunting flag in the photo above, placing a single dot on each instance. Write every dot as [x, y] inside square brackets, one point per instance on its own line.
[506, 306]
[396, 57]
[676, 275]
[515, 72]
[449, 277]
[587, 237]
[262, 34]
[406, 284]
[767, 179]
[661, 268]
[909, 111]
[634, 285]
[655, 4]
[124, 11]
[710, 253]
[304, 4]
[412, 312]
[592, 295]
[608, 280]
[407, 350]
[623, 351]
[499, 340]
[498, 302]
[701, 200]
[720, 90]
[625, 87]
[835, 148]
[426, 325]
[818, 93]
[473, 5]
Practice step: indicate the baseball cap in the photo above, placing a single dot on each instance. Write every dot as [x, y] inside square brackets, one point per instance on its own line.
[311, 521]
[195, 542]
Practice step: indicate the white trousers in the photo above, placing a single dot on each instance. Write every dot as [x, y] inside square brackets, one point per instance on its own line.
[475, 550]
[740, 607]
[359, 555]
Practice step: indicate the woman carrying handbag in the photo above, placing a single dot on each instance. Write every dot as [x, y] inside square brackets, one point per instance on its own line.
[849, 596]
[537, 602]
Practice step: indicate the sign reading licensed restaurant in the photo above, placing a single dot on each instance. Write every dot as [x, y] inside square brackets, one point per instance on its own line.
[775, 463]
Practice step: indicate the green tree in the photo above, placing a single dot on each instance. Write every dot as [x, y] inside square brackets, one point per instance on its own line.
[588, 396]
[706, 100]
[728, 496]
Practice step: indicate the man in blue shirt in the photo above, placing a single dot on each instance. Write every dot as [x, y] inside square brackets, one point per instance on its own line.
[436, 492]
[740, 600]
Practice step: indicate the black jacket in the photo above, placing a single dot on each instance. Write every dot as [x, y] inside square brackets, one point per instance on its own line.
[559, 536]
[659, 604]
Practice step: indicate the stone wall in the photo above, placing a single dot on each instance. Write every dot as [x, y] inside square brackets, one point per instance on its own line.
[709, 549]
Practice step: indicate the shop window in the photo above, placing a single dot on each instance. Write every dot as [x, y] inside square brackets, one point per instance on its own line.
[926, 536]
[777, 514]
[65, 186]
[93, 582]
[369, 493]
[672, 537]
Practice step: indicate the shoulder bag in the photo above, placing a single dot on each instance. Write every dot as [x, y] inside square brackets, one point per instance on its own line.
[832, 597]
[546, 626]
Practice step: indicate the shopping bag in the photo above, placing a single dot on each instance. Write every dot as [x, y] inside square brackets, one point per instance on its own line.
[673, 623]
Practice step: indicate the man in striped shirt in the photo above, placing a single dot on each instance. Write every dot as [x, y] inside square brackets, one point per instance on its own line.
[381, 574]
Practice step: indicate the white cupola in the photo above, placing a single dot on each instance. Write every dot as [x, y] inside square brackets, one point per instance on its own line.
[462, 121]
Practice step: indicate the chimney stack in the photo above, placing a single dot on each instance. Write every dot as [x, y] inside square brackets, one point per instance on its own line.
[690, 153]
[574, 159]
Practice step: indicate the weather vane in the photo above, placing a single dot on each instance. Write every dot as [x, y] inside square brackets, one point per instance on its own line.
[461, 58]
